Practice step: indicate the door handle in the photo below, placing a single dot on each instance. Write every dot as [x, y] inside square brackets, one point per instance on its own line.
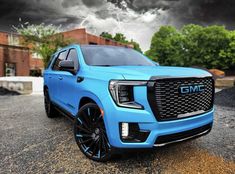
[50, 77]
[80, 79]
[60, 78]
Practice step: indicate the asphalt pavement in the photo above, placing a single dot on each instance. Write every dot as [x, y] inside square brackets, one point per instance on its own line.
[32, 143]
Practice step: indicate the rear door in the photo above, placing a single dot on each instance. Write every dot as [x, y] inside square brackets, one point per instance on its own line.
[55, 76]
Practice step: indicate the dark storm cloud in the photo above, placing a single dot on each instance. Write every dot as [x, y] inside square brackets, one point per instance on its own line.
[32, 12]
[88, 3]
[69, 3]
[204, 12]
[145, 5]
[209, 12]
[131, 17]
[93, 3]
[180, 12]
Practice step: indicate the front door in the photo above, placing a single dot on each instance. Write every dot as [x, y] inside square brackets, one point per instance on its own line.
[68, 86]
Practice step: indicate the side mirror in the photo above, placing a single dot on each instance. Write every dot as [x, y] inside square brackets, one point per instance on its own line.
[156, 63]
[67, 65]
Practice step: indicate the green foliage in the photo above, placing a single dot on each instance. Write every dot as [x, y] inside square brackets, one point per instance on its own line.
[136, 45]
[106, 35]
[42, 39]
[119, 37]
[194, 45]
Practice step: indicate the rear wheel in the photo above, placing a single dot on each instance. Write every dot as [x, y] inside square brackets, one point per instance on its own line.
[49, 107]
[90, 133]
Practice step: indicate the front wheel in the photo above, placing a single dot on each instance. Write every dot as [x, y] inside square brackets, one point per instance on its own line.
[90, 133]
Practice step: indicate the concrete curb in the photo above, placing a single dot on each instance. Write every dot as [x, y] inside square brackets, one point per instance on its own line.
[226, 82]
[17, 86]
[23, 84]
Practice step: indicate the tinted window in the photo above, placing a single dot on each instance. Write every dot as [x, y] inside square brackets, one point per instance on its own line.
[74, 57]
[113, 56]
[49, 63]
[60, 57]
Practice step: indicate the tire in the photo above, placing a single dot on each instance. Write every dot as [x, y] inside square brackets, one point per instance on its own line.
[49, 107]
[90, 133]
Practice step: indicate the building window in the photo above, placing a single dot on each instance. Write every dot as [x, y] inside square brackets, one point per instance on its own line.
[10, 69]
[36, 55]
[35, 72]
[13, 40]
[92, 43]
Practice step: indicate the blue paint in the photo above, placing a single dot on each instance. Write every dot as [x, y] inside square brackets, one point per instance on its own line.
[67, 93]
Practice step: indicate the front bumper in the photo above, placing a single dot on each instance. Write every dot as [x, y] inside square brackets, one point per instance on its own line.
[114, 115]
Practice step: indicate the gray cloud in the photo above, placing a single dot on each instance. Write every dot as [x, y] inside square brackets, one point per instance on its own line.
[137, 19]
[204, 12]
[93, 3]
[34, 11]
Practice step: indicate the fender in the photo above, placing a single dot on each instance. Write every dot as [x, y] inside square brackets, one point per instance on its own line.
[91, 96]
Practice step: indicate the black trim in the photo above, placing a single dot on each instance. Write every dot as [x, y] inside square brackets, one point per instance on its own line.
[78, 66]
[79, 79]
[151, 95]
[194, 133]
[154, 78]
[136, 135]
[64, 112]
[57, 56]
[142, 107]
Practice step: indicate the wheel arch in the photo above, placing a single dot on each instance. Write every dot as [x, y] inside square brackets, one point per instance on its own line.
[89, 98]
[45, 87]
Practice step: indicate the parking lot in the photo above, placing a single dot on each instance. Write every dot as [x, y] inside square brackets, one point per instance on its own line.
[32, 143]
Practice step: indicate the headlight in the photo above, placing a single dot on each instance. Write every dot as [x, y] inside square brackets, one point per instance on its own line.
[122, 93]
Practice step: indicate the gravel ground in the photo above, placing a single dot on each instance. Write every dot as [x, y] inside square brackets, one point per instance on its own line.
[32, 143]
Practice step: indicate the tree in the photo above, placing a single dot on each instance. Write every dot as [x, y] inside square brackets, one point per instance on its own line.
[42, 39]
[166, 46]
[106, 35]
[136, 45]
[194, 45]
[119, 37]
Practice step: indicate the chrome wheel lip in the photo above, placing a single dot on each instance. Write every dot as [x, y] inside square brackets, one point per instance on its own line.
[92, 138]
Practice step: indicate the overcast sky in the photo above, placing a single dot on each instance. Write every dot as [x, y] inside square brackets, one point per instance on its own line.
[137, 19]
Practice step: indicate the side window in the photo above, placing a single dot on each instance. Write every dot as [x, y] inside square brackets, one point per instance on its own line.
[60, 57]
[49, 63]
[74, 57]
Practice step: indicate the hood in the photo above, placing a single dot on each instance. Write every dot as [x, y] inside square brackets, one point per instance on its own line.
[145, 72]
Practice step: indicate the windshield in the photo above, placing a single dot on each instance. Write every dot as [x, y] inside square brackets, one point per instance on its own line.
[113, 56]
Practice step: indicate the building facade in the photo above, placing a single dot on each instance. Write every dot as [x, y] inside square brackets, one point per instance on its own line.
[18, 60]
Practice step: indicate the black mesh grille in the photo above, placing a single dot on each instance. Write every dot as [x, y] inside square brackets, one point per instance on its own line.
[167, 102]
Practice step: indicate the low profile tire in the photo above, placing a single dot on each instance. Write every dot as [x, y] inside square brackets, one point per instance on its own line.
[49, 107]
[90, 133]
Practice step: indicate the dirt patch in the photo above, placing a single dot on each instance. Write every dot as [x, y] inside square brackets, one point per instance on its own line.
[199, 161]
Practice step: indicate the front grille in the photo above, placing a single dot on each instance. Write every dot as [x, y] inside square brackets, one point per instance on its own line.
[167, 103]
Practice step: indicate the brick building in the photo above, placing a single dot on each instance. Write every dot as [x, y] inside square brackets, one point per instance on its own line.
[17, 60]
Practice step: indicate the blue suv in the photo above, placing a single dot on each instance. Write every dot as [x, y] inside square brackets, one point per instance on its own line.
[119, 98]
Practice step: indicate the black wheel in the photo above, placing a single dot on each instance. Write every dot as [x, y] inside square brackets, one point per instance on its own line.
[90, 133]
[49, 107]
